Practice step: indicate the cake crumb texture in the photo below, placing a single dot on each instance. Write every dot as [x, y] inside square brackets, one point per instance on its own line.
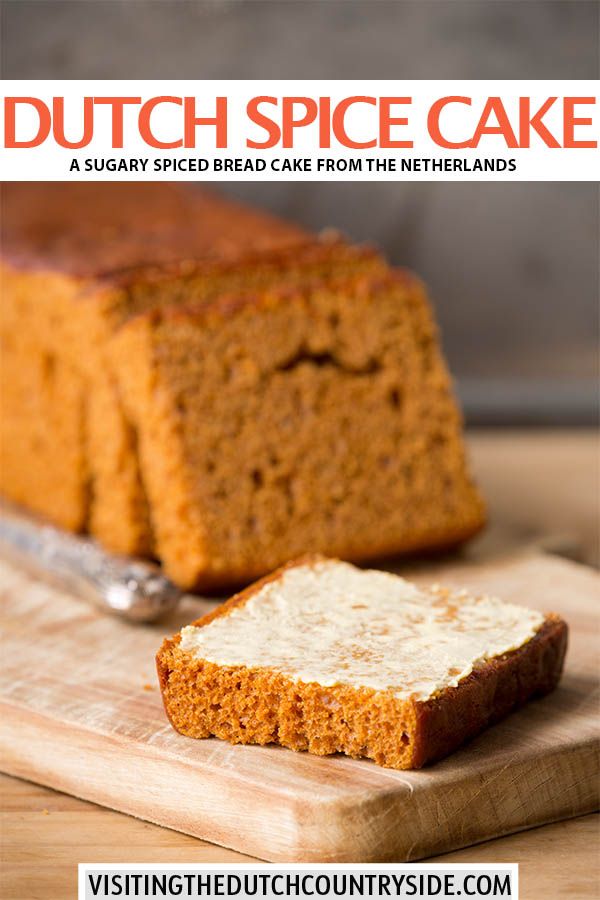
[313, 419]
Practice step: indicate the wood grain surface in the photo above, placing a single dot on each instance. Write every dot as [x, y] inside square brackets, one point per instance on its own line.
[81, 714]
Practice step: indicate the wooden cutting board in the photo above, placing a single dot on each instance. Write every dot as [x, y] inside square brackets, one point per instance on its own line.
[80, 712]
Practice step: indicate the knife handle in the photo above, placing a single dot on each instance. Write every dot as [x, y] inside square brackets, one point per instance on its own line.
[133, 589]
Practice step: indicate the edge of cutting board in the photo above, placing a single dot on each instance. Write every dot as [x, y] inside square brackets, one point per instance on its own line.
[372, 826]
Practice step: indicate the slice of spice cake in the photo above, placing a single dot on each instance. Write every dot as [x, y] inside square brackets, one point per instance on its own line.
[316, 419]
[325, 657]
[42, 416]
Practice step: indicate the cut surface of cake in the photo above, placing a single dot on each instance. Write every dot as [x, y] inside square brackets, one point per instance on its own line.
[120, 516]
[325, 657]
[313, 418]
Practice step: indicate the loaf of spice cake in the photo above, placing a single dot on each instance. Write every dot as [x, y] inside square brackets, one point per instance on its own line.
[325, 657]
[189, 379]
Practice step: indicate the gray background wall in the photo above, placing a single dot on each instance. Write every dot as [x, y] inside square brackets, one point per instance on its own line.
[513, 268]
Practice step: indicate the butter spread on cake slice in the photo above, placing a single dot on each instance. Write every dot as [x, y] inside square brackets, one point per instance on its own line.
[326, 657]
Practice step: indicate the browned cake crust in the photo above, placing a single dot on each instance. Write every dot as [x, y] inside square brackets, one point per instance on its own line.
[85, 230]
[263, 706]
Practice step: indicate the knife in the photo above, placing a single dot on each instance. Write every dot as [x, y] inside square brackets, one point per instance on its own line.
[133, 589]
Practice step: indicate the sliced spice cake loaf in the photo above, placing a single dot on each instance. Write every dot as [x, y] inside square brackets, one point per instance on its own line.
[187, 378]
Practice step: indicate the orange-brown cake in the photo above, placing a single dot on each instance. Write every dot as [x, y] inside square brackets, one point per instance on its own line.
[42, 409]
[194, 380]
[325, 657]
[317, 418]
